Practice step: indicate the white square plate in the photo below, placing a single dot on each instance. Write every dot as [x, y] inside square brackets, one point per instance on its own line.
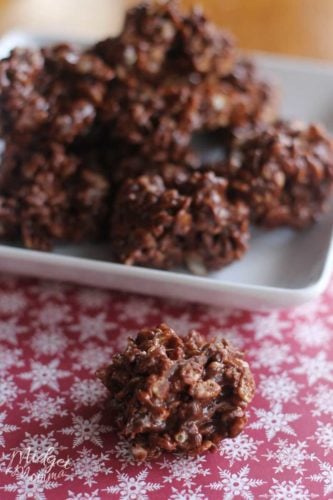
[283, 268]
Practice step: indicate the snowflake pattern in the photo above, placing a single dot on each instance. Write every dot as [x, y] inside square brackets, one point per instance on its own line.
[52, 314]
[136, 309]
[133, 488]
[184, 469]
[315, 334]
[53, 338]
[31, 486]
[87, 392]
[40, 444]
[91, 298]
[10, 329]
[243, 447]
[279, 388]
[94, 495]
[291, 490]
[91, 357]
[86, 430]
[324, 436]
[271, 356]
[8, 391]
[187, 494]
[315, 368]
[49, 342]
[325, 477]
[274, 420]
[290, 456]
[12, 302]
[236, 485]
[9, 358]
[43, 409]
[4, 428]
[322, 400]
[95, 327]
[45, 375]
[88, 466]
[267, 325]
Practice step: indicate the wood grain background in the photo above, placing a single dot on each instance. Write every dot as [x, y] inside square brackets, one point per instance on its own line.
[300, 27]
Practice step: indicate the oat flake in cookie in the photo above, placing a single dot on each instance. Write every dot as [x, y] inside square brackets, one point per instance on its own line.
[175, 394]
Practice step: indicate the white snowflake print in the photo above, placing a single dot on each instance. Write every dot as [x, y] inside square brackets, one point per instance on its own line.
[91, 357]
[309, 311]
[123, 453]
[325, 476]
[52, 314]
[42, 375]
[322, 399]
[47, 290]
[94, 495]
[324, 437]
[30, 487]
[88, 466]
[9, 330]
[10, 357]
[12, 302]
[232, 335]
[223, 316]
[184, 469]
[92, 298]
[136, 309]
[236, 485]
[267, 325]
[87, 392]
[290, 456]
[43, 409]
[243, 447]
[270, 356]
[133, 488]
[93, 327]
[49, 342]
[274, 420]
[4, 461]
[181, 324]
[4, 428]
[86, 430]
[187, 494]
[315, 368]
[291, 490]
[40, 444]
[314, 334]
[279, 388]
[8, 391]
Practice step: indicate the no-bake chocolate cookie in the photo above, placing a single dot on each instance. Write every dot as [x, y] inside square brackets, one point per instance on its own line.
[175, 394]
[283, 171]
[192, 223]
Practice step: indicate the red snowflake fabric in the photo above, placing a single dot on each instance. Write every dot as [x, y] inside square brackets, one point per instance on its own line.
[55, 444]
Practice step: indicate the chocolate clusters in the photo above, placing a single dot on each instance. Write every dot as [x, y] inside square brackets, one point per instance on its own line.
[52, 184]
[283, 172]
[107, 136]
[193, 224]
[175, 394]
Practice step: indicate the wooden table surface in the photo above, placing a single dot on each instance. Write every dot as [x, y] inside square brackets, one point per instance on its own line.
[300, 27]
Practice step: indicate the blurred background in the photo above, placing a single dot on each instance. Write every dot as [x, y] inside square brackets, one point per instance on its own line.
[298, 27]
